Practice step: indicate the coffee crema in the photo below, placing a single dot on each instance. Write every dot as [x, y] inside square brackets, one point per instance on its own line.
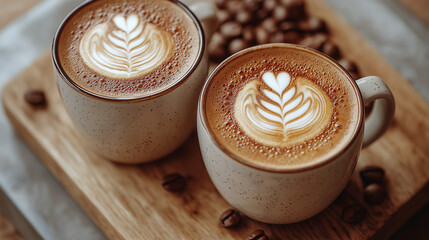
[130, 48]
[281, 107]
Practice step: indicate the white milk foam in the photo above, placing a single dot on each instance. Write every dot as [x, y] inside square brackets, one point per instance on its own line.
[279, 111]
[126, 48]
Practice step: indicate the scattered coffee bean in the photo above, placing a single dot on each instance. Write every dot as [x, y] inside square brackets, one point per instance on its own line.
[234, 6]
[253, 5]
[331, 50]
[243, 17]
[354, 214]
[315, 41]
[269, 4]
[237, 45]
[295, 9]
[262, 14]
[230, 218]
[35, 98]
[371, 174]
[258, 235]
[374, 193]
[174, 182]
[288, 26]
[220, 3]
[348, 65]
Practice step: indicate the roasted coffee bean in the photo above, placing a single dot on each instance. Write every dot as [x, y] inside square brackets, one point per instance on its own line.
[280, 13]
[277, 37]
[230, 218]
[353, 214]
[218, 39]
[371, 174]
[174, 182]
[231, 29]
[295, 8]
[234, 6]
[374, 193]
[292, 37]
[249, 34]
[269, 25]
[220, 3]
[288, 26]
[223, 16]
[312, 24]
[243, 17]
[315, 41]
[253, 5]
[348, 65]
[261, 14]
[237, 45]
[217, 52]
[258, 235]
[35, 98]
[331, 50]
[261, 35]
[269, 5]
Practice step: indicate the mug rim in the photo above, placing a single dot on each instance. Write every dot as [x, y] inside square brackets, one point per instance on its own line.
[292, 169]
[155, 94]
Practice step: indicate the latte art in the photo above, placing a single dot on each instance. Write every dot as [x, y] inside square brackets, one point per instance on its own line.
[280, 112]
[125, 48]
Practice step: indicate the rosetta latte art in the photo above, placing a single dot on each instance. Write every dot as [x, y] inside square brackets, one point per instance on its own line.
[125, 48]
[279, 112]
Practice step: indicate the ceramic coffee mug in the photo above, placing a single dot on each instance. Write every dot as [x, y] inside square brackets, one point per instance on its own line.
[288, 195]
[140, 129]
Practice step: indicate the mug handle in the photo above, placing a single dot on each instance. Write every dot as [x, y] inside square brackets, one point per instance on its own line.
[206, 13]
[374, 89]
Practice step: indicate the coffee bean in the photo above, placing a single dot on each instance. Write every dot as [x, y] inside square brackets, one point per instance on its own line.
[269, 25]
[353, 214]
[374, 193]
[315, 41]
[280, 13]
[295, 8]
[331, 50]
[262, 14]
[220, 3]
[292, 37]
[237, 45]
[174, 182]
[217, 52]
[243, 16]
[277, 37]
[253, 5]
[371, 174]
[261, 35]
[231, 29]
[218, 39]
[223, 16]
[230, 218]
[269, 5]
[258, 235]
[312, 24]
[348, 65]
[249, 34]
[288, 26]
[35, 98]
[233, 6]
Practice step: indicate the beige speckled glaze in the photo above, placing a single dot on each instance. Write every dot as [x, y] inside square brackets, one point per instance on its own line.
[281, 196]
[142, 129]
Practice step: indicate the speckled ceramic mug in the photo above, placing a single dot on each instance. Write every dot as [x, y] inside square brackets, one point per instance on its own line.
[141, 129]
[288, 195]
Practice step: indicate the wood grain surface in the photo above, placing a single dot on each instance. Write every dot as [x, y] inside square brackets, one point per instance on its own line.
[128, 202]
[10, 10]
[419, 7]
[7, 231]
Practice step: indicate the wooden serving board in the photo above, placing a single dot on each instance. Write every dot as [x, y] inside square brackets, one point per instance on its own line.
[128, 202]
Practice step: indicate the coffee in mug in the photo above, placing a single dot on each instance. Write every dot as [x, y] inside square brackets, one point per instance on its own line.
[281, 127]
[129, 73]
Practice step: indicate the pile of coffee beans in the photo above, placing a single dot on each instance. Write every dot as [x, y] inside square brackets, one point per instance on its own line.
[246, 23]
